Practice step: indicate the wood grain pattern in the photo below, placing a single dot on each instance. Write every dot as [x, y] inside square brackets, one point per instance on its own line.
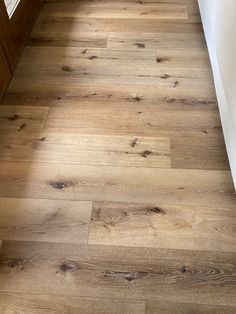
[19, 118]
[48, 304]
[145, 122]
[78, 270]
[115, 194]
[186, 308]
[202, 151]
[156, 40]
[74, 39]
[86, 149]
[124, 10]
[111, 67]
[5, 72]
[106, 183]
[165, 226]
[15, 31]
[44, 220]
[191, 98]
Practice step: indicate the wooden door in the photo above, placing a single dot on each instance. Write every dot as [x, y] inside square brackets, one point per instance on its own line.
[5, 74]
[15, 29]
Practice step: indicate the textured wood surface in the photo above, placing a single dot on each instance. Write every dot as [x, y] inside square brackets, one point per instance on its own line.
[115, 189]
[5, 72]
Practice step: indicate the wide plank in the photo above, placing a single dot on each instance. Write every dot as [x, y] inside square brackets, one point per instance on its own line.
[199, 151]
[167, 226]
[103, 65]
[133, 121]
[165, 307]
[127, 25]
[150, 60]
[79, 270]
[24, 219]
[86, 149]
[21, 118]
[157, 40]
[108, 183]
[125, 10]
[74, 39]
[51, 304]
[35, 94]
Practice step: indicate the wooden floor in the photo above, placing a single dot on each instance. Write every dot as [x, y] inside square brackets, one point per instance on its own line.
[115, 190]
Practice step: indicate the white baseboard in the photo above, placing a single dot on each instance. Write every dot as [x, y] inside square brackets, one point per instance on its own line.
[226, 115]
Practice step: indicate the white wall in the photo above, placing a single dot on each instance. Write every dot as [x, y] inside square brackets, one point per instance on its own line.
[219, 20]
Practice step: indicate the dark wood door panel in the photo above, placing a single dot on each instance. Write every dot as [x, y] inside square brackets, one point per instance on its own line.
[5, 74]
[15, 30]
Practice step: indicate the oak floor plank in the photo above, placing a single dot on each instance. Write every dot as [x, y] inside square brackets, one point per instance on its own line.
[21, 118]
[126, 10]
[71, 82]
[201, 149]
[73, 39]
[105, 2]
[34, 93]
[166, 226]
[23, 219]
[131, 25]
[51, 304]
[106, 183]
[142, 122]
[86, 149]
[111, 95]
[91, 58]
[80, 270]
[165, 307]
[104, 66]
[158, 40]
[198, 151]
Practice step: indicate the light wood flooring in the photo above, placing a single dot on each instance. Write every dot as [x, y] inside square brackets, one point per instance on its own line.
[115, 189]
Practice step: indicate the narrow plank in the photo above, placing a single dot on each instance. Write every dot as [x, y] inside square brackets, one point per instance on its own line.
[126, 10]
[157, 40]
[79, 270]
[51, 304]
[199, 151]
[44, 220]
[86, 149]
[106, 183]
[167, 226]
[21, 118]
[165, 307]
